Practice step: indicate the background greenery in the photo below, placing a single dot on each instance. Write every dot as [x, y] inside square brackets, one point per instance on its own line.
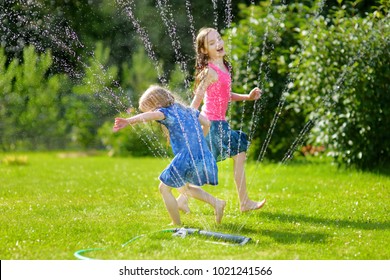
[69, 67]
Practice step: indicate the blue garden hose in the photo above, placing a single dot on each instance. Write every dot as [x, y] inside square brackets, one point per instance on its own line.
[237, 239]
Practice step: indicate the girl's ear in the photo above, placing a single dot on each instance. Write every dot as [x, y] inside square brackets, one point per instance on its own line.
[203, 50]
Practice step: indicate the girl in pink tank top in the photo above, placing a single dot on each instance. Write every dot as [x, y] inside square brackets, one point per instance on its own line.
[213, 88]
[217, 98]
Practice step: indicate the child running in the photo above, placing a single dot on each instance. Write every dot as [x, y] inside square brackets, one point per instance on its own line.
[213, 87]
[193, 165]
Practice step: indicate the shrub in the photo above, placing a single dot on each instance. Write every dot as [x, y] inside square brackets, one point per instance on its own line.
[323, 74]
[343, 86]
[145, 140]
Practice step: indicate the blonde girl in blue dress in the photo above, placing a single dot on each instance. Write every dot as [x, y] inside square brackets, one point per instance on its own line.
[193, 164]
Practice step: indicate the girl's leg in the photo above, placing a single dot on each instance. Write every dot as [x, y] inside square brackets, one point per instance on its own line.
[239, 177]
[170, 203]
[202, 195]
[182, 202]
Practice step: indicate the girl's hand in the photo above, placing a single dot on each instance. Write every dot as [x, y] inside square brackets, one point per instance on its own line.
[255, 94]
[120, 123]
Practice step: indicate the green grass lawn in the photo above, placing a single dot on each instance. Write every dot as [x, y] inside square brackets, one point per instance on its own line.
[53, 205]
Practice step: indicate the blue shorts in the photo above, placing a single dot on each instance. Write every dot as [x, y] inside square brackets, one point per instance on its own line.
[224, 142]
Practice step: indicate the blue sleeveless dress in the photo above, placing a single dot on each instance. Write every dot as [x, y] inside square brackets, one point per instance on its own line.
[193, 162]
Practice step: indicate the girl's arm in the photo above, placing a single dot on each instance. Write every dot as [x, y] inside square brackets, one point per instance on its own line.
[144, 117]
[205, 124]
[253, 95]
[210, 77]
[198, 97]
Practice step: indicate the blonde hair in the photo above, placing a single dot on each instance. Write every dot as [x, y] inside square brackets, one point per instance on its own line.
[155, 97]
[158, 97]
[202, 58]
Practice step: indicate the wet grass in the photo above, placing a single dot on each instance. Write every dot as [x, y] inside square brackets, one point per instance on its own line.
[55, 204]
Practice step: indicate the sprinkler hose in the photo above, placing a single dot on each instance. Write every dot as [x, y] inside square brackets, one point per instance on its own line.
[240, 240]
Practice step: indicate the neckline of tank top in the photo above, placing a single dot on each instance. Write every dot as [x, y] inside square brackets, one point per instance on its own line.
[226, 71]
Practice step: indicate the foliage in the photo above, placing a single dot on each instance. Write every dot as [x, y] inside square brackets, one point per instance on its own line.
[138, 75]
[342, 85]
[137, 141]
[179, 85]
[261, 43]
[96, 98]
[330, 71]
[33, 23]
[39, 111]
[71, 28]
[31, 103]
[136, 79]
[298, 52]
[97, 77]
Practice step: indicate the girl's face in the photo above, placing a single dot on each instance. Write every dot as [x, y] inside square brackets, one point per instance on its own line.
[214, 45]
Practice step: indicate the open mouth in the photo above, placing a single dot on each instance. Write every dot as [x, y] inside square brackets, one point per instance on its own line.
[220, 49]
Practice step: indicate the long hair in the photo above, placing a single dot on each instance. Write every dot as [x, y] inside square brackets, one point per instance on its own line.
[202, 59]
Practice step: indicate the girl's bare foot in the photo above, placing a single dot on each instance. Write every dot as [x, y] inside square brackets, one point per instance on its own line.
[219, 208]
[252, 205]
[182, 203]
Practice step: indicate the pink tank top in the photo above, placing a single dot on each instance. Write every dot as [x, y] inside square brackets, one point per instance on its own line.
[217, 96]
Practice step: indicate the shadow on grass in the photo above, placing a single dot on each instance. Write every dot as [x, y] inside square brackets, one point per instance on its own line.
[286, 237]
[290, 218]
[289, 237]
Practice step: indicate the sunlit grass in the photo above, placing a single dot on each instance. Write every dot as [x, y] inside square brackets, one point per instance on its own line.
[56, 205]
[14, 160]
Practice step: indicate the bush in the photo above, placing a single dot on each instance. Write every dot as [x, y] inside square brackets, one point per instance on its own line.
[323, 74]
[343, 86]
[261, 45]
[143, 140]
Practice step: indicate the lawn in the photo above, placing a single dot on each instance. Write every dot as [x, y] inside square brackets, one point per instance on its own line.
[55, 204]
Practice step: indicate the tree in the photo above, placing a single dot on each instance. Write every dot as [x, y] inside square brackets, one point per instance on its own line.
[30, 102]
